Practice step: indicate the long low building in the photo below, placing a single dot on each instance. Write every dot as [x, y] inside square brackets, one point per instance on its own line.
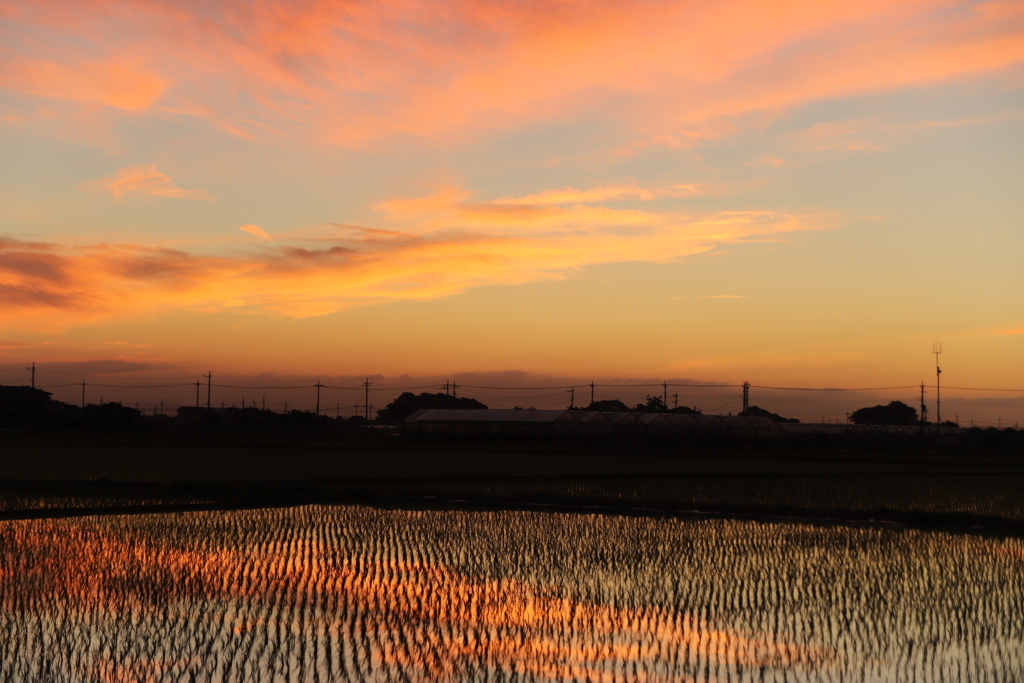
[588, 423]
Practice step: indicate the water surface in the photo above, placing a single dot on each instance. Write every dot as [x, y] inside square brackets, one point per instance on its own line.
[324, 593]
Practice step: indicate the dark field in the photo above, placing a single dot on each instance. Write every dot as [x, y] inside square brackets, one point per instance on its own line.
[926, 490]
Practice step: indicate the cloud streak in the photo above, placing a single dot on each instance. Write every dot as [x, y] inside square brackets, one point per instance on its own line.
[663, 73]
[255, 230]
[435, 246]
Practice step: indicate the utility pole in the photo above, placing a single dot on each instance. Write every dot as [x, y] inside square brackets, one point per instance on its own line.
[83, 393]
[455, 390]
[209, 379]
[746, 396]
[33, 369]
[446, 388]
[318, 385]
[572, 398]
[197, 399]
[591, 392]
[937, 349]
[366, 386]
[924, 408]
[664, 391]
[675, 400]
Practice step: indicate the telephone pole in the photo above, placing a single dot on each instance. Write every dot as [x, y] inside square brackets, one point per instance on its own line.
[318, 385]
[83, 393]
[209, 379]
[455, 390]
[664, 391]
[591, 392]
[937, 349]
[572, 398]
[33, 369]
[746, 396]
[197, 399]
[366, 386]
[924, 408]
[675, 400]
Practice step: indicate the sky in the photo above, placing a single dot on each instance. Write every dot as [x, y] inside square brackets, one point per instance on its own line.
[801, 194]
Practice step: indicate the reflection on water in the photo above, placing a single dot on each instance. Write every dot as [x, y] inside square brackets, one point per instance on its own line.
[343, 593]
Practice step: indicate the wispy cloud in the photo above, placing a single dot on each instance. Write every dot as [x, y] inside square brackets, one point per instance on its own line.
[145, 180]
[570, 195]
[456, 70]
[772, 161]
[117, 82]
[430, 247]
[255, 230]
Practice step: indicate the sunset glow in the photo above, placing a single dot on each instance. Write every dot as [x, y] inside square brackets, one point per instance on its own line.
[804, 194]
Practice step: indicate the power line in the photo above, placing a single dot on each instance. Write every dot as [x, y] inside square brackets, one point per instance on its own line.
[564, 386]
[661, 385]
[247, 386]
[756, 386]
[977, 389]
[118, 386]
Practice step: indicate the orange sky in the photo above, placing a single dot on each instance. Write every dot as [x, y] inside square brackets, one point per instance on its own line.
[802, 194]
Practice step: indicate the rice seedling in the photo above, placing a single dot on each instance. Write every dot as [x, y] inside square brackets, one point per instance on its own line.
[332, 593]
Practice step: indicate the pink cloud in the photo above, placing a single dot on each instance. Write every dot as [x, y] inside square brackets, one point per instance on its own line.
[117, 82]
[665, 73]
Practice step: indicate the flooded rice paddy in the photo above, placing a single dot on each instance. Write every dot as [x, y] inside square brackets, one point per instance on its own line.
[335, 593]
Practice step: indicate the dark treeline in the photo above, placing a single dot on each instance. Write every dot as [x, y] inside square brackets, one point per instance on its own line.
[27, 410]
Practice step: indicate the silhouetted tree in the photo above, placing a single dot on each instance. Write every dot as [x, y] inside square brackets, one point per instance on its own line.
[654, 404]
[896, 413]
[610, 406]
[408, 403]
[109, 417]
[686, 410]
[754, 411]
